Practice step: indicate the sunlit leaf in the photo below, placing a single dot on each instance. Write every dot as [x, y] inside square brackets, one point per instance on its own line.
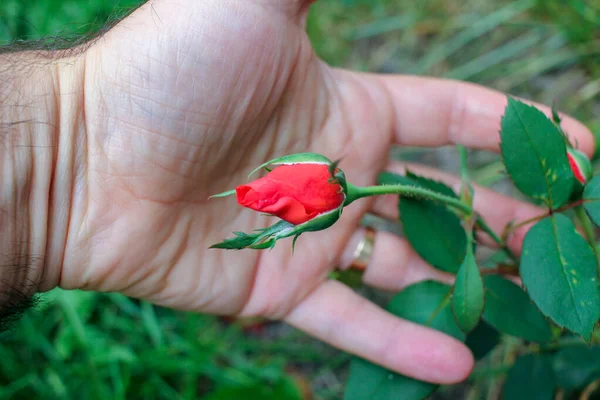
[535, 154]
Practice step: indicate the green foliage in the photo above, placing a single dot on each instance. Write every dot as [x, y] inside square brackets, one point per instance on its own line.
[560, 274]
[578, 19]
[435, 232]
[483, 339]
[531, 378]
[469, 294]
[591, 195]
[57, 20]
[283, 389]
[576, 366]
[93, 346]
[426, 303]
[510, 310]
[535, 154]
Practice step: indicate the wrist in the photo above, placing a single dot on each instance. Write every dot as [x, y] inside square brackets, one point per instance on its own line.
[36, 104]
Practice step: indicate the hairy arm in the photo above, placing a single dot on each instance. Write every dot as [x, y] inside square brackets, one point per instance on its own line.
[35, 172]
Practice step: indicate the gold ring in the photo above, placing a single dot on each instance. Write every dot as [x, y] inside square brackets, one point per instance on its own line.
[364, 250]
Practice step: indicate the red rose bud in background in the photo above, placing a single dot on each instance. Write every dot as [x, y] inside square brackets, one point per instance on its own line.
[296, 193]
[580, 165]
[306, 191]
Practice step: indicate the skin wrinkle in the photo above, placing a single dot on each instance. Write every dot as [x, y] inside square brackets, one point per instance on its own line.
[144, 274]
[28, 153]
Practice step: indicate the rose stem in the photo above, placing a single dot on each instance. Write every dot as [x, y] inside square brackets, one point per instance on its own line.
[357, 192]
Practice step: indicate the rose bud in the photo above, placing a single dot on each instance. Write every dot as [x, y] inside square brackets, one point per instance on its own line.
[580, 165]
[296, 193]
[306, 191]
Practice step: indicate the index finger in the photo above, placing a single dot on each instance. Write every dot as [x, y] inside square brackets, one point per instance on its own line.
[437, 112]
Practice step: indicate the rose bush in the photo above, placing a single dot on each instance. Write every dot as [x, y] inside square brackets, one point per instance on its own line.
[558, 266]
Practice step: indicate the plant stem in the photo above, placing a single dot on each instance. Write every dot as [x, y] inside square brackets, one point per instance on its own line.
[464, 172]
[546, 214]
[466, 190]
[511, 270]
[481, 224]
[559, 344]
[588, 231]
[416, 192]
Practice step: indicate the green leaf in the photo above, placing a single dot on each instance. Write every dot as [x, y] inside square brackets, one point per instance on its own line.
[576, 366]
[435, 232]
[483, 339]
[531, 378]
[426, 303]
[509, 309]
[298, 158]
[535, 154]
[559, 272]
[469, 295]
[283, 389]
[591, 195]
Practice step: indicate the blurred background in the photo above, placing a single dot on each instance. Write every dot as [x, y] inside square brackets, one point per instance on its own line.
[78, 345]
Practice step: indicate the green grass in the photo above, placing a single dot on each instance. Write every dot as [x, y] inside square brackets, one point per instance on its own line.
[85, 345]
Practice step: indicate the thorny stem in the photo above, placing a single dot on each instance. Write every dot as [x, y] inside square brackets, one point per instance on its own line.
[356, 192]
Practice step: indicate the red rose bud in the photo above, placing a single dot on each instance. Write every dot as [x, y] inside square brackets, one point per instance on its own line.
[306, 190]
[580, 165]
[296, 193]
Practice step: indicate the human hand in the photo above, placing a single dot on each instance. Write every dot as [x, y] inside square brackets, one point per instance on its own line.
[181, 100]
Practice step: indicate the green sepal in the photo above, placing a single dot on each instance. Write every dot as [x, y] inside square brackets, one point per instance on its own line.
[259, 239]
[298, 158]
[266, 238]
[318, 223]
[338, 176]
[224, 194]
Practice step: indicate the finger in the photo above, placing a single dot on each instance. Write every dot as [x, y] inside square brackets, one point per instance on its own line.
[497, 209]
[436, 112]
[393, 264]
[340, 317]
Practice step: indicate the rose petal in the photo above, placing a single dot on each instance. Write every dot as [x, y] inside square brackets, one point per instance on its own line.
[290, 210]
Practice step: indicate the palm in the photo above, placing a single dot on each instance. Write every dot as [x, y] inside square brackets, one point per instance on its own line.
[165, 118]
[182, 101]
